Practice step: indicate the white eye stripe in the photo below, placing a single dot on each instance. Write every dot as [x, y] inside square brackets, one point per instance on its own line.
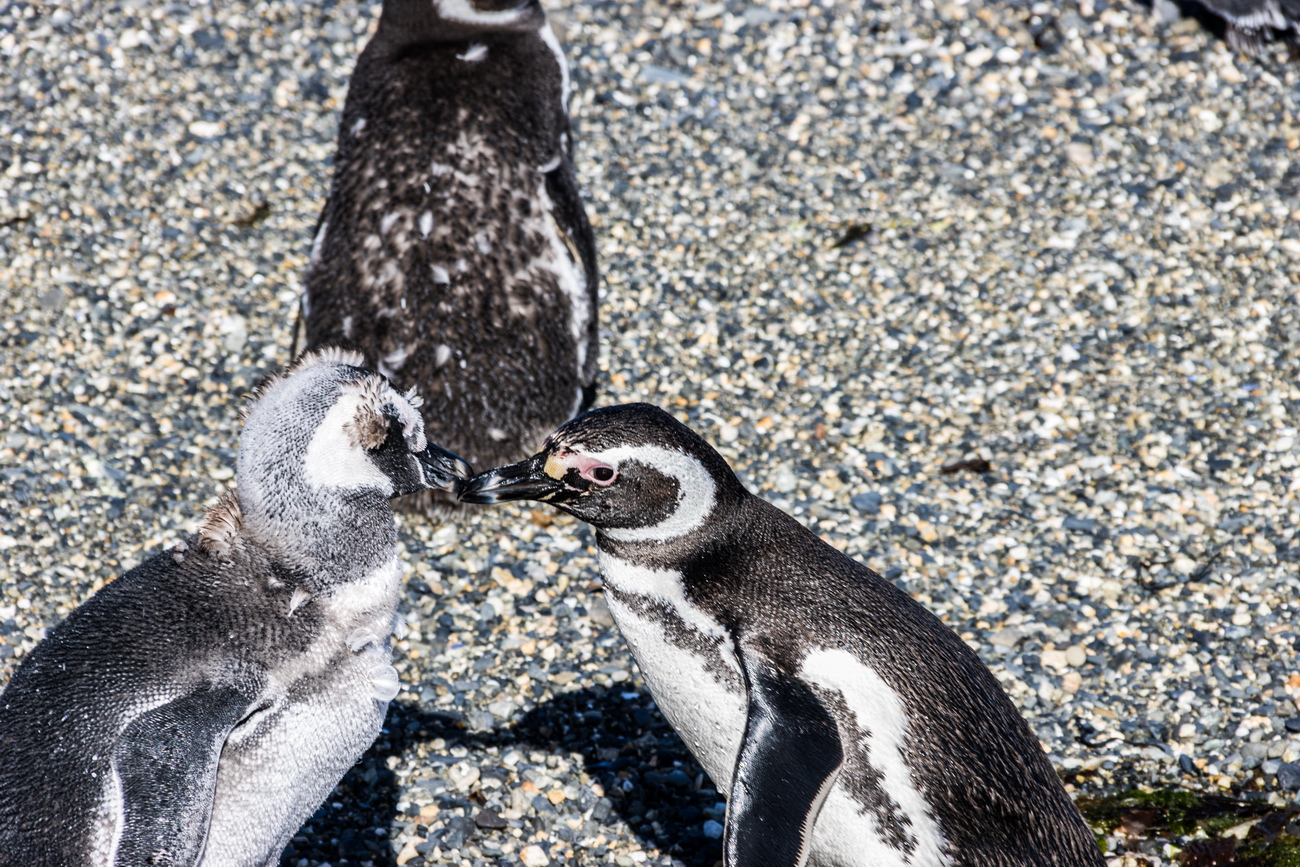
[696, 491]
[462, 10]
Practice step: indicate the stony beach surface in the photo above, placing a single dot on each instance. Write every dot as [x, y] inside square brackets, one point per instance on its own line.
[998, 297]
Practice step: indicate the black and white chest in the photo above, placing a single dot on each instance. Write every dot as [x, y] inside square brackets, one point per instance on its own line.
[872, 811]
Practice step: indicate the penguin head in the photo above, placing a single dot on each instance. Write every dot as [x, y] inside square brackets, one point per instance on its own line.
[633, 471]
[330, 429]
[410, 22]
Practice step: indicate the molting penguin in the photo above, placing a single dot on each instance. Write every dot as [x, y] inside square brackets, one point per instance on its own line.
[847, 723]
[454, 251]
[200, 707]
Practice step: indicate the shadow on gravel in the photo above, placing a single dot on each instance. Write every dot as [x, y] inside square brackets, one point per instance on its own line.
[650, 779]
[342, 830]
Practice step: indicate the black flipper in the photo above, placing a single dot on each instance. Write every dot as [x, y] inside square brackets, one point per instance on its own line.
[787, 764]
[298, 339]
[166, 760]
[571, 218]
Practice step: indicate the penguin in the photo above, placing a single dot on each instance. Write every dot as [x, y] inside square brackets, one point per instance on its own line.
[1251, 26]
[454, 251]
[845, 723]
[199, 708]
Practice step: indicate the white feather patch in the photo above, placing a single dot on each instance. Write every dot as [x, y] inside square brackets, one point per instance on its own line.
[386, 684]
[709, 717]
[461, 10]
[361, 638]
[474, 53]
[568, 271]
[880, 713]
[298, 599]
[333, 461]
[394, 360]
[316, 245]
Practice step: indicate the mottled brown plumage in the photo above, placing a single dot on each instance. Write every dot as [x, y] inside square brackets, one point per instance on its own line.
[454, 252]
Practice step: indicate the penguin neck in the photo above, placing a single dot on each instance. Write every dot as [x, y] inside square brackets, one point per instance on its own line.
[404, 24]
[724, 522]
[328, 536]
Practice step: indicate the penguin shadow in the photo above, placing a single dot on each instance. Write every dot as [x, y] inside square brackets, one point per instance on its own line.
[343, 830]
[650, 780]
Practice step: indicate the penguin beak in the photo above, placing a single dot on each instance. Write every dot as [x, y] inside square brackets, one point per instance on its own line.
[442, 469]
[526, 480]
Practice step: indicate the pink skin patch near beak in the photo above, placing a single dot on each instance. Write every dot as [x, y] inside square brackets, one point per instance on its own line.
[594, 471]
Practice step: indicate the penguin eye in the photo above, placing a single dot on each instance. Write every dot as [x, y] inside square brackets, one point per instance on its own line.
[600, 474]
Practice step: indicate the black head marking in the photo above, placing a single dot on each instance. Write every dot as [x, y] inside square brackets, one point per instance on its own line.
[633, 471]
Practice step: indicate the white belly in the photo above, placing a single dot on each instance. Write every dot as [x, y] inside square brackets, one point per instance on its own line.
[848, 833]
[686, 659]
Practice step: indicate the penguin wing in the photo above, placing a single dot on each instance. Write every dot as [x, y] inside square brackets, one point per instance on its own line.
[166, 764]
[788, 761]
[571, 219]
[575, 230]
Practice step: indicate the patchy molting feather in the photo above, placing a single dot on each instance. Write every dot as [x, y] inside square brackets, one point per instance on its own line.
[491, 257]
[368, 428]
[219, 531]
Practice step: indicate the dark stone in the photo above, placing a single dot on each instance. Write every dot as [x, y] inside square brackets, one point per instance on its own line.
[1288, 776]
[868, 502]
[586, 798]
[457, 832]
[678, 779]
[1293, 724]
[489, 818]
[602, 809]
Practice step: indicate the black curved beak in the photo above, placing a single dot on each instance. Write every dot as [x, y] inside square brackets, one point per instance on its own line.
[442, 469]
[526, 480]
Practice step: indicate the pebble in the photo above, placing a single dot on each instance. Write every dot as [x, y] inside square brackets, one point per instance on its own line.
[488, 818]
[1288, 776]
[1007, 637]
[534, 856]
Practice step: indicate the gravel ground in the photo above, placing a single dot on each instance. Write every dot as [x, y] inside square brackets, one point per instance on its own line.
[852, 244]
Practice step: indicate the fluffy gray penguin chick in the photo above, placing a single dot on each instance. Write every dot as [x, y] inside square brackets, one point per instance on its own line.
[200, 707]
[454, 251]
[846, 723]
